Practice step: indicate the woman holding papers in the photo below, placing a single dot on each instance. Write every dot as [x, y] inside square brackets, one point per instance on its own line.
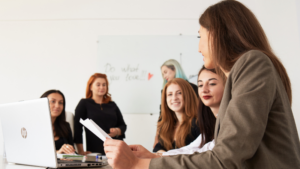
[178, 126]
[255, 127]
[98, 107]
[61, 128]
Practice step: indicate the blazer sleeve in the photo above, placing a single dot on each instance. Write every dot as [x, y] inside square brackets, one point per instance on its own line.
[244, 121]
[80, 112]
[121, 123]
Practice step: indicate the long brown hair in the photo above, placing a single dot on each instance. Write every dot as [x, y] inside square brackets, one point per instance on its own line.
[89, 93]
[166, 126]
[206, 118]
[234, 30]
[60, 124]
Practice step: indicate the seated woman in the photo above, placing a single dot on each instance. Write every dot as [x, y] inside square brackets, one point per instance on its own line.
[210, 90]
[171, 69]
[177, 127]
[61, 128]
[255, 127]
[99, 107]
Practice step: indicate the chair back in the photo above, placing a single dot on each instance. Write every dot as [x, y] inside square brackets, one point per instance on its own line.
[70, 120]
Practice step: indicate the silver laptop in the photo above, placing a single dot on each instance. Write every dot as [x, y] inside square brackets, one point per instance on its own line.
[28, 136]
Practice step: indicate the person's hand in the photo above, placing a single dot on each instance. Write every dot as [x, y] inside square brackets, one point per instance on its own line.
[141, 152]
[84, 152]
[66, 149]
[119, 154]
[114, 132]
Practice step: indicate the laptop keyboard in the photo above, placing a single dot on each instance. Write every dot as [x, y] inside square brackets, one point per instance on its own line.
[78, 163]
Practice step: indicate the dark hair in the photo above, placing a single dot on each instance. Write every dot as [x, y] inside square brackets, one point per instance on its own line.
[233, 31]
[60, 124]
[89, 93]
[206, 118]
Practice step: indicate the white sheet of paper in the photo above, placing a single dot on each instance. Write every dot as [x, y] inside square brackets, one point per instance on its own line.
[94, 128]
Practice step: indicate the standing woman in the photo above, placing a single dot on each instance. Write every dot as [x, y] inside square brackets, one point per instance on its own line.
[61, 128]
[255, 128]
[171, 69]
[99, 107]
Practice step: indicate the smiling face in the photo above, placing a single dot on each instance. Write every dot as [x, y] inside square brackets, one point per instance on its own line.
[210, 88]
[56, 103]
[174, 98]
[204, 48]
[167, 73]
[99, 87]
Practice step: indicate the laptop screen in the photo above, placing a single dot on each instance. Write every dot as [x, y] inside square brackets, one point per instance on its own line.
[27, 132]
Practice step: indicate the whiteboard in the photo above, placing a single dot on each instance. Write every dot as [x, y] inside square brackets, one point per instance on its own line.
[132, 65]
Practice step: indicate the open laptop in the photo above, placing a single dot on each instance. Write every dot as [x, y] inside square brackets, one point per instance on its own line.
[28, 136]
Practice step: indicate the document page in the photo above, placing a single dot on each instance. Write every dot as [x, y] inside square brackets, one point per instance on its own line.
[94, 128]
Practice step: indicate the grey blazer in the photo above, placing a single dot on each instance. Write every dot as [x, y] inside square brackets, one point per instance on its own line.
[255, 128]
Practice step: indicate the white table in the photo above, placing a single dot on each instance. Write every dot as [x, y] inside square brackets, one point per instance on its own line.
[5, 165]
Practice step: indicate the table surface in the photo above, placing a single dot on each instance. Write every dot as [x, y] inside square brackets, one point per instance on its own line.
[5, 165]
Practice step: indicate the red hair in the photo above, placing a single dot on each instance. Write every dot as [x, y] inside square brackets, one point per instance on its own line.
[89, 93]
[168, 121]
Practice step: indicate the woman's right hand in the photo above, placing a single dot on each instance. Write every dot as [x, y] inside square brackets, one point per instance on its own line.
[141, 152]
[66, 149]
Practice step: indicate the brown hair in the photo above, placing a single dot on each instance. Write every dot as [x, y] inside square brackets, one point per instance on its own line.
[234, 30]
[89, 93]
[166, 126]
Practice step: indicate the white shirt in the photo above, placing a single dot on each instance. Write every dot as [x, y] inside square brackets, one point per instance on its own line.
[192, 148]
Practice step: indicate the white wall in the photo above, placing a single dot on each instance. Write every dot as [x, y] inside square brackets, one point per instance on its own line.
[53, 44]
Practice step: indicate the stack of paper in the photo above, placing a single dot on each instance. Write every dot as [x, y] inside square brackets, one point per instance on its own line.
[94, 128]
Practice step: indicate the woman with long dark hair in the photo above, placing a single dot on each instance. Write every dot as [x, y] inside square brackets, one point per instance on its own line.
[178, 125]
[99, 107]
[61, 128]
[255, 127]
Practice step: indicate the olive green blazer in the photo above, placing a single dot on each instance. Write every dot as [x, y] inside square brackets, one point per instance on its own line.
[255, 128]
